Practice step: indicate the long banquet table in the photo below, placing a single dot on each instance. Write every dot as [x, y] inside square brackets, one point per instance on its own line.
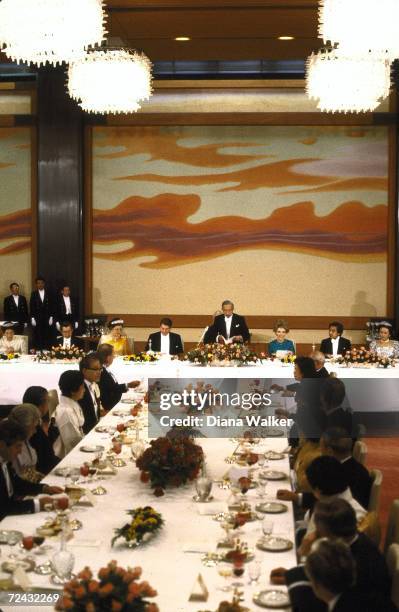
[16, 376]
[170, 570]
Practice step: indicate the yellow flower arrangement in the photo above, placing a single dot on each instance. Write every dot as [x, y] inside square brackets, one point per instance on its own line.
[144, 521]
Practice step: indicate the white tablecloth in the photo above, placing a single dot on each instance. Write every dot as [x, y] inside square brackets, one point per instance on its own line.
[167, 568]
[17, 376]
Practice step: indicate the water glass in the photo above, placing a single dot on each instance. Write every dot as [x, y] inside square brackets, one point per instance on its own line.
[254, 572]
[267, 527]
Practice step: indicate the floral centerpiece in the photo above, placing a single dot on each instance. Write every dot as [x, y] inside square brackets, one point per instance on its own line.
[116, 589]
[144, 522]
[222, 354]
[58, 353]
[9, 356]
[363, 357]
[170, 462]
[142, 357]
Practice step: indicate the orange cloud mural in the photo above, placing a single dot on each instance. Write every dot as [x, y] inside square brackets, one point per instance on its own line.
[16, 230]
[158, 227]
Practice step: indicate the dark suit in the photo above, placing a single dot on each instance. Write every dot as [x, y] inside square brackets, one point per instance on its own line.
[14, 313]
[372, 588]
[111, 391]
[238, 328]
[91, 412]
[60, 311]
[75, 341]
[41, 311]
[15, 504]
[43, 445]
[322, 373]
[175, 343]
[343, 345]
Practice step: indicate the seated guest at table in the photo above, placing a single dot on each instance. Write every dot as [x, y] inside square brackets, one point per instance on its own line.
[68, 414]
[90, 403]
[9, 342]
[15, 308]
[110, 390]
[25, 465]
[308, 449]
[13, 488]
[319, 361]
[335, 344]
[165, 341]
[42, 315]
[116, 337]
[66, 309]
[336, 443]
[215, 314]
[228, 327]
[337, 520]
[384, 346]
[281, 343]
[332, 395]
[46, 432]
[67, 338]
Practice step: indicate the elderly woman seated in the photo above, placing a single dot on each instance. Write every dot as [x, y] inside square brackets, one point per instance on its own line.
[25, 465]
[10, 343]
[68, 414]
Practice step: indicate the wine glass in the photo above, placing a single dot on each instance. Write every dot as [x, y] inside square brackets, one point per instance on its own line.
[84, 471]
[74, 475]
[120, 427]
[63, 562]
[238, 571]
[254, 572]
[226, 572]
[261, 490]
[267, 527]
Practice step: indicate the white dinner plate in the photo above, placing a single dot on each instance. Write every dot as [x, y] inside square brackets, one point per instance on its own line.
[271, 508]
[88, 448]
[272, 598]
[272, 475]
[274, 544]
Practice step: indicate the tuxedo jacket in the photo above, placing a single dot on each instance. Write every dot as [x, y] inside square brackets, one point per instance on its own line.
[15, 504]
[91, 412]
[14, 313]
[74, 340]
[60, 310]
[238, 328]
[343, 345]
[175, 343]
[111, 391]
[322, 373]
[371, 591]
[41, 311]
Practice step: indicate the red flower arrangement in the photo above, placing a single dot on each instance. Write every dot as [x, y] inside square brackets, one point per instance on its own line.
[116, 590]
[170, 462]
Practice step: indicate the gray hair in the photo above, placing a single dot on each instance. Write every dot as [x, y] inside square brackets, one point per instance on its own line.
[228, 303]
[25, 415]
[318, 357]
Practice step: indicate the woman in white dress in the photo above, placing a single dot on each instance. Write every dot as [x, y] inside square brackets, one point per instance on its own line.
[27, 416]
[10, 343]
[68, 414]
[384, 346]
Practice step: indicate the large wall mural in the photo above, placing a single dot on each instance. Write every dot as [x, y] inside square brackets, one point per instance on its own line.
[185, 216]
[15, 207]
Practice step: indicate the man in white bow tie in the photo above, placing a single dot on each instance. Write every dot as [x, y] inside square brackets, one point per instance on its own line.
[228, 327]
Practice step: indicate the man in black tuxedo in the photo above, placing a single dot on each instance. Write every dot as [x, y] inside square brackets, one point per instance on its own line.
[165, 341]
[91, 368]
[42, 315]
[337, 519]
[67, 339]
[15, 309]
[319, 361]
[227, 327]
[335, 344]
[66, 309]
[110, 390]
[13, 488]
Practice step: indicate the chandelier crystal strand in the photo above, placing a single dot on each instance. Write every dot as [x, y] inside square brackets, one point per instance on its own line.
[53, 31]
[110, 80]
[345, 84]
[361, 26]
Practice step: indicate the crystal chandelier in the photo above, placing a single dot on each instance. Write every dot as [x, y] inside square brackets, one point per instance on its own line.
[361, 26]
[110, 80]
[53, 31]
[346, 84]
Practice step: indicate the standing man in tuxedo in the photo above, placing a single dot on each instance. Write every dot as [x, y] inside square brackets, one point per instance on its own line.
[42, 315]
[228, 327]
[165, 341]
[15, 309]
[335, 344]
[91, 368]
[66, 309]
[110, 390]
[67, 338]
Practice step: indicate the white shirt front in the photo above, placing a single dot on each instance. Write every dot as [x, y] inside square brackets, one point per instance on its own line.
[69, 419]
[333, 603]
[41, 293]
[228, 321]
[66, 343]
[67, 302]
[335, 342]
[16, 299]
[7, 477]
[165, 344]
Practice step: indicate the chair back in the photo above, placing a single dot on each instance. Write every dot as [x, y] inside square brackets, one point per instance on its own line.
[392, 535]
[130, 345]
[392, 557]
[375, 493]
[360, 452]
[53, 401]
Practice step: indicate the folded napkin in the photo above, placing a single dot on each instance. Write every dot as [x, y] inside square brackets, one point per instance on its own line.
[210, 509]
